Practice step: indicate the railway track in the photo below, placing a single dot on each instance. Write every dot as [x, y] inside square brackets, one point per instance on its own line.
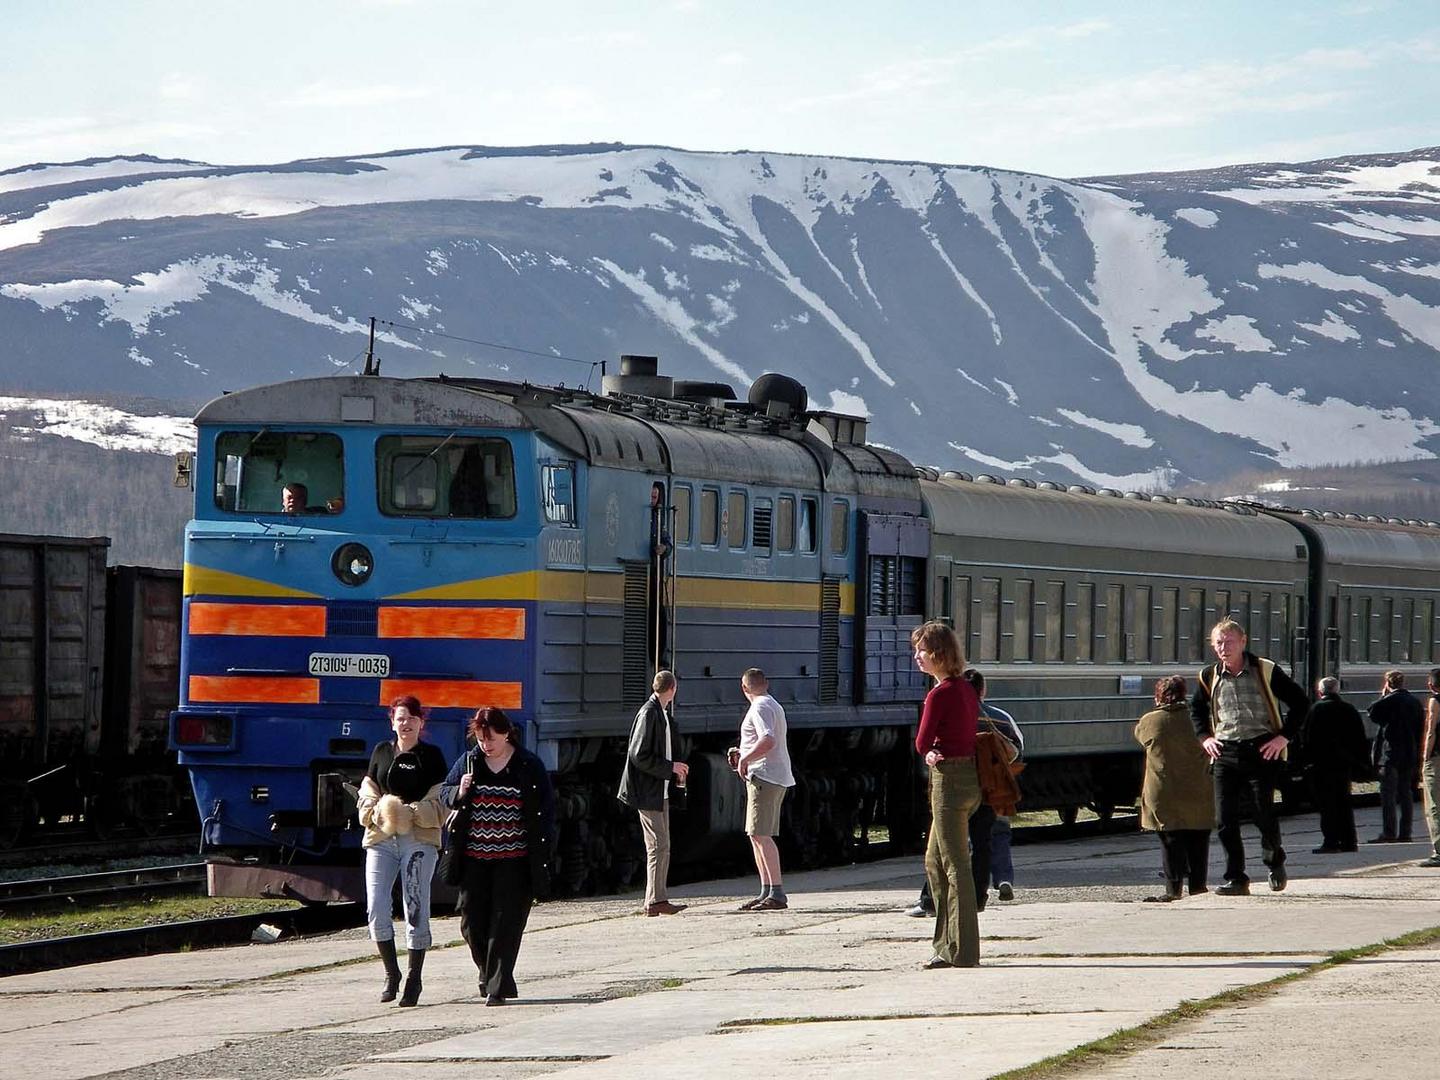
[58, 952]
[62, 851]
[180, 877]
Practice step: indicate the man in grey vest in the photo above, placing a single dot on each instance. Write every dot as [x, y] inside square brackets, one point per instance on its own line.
[1237, 717]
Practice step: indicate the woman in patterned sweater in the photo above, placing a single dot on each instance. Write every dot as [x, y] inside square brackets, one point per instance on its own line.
[506, 849]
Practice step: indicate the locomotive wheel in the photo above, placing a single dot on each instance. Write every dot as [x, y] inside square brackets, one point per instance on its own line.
[1068, 815]
[17, 810]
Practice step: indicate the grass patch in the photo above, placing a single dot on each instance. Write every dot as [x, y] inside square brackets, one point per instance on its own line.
[1131, 1040]
[40, 923]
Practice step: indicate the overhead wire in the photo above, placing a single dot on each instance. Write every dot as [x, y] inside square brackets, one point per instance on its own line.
[413, 328]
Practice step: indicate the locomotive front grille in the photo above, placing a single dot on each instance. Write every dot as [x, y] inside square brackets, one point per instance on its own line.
[351, 618]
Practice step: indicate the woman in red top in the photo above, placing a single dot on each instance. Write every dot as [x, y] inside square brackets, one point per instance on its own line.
[946, 740]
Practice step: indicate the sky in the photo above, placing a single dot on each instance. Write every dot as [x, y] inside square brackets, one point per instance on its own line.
[1064, 89]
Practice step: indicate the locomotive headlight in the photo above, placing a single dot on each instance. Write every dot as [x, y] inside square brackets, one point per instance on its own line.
[353, 564]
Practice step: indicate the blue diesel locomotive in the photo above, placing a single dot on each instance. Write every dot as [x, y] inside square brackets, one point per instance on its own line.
[476, 542]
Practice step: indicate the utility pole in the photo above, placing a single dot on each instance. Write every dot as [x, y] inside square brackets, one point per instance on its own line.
[372, 367]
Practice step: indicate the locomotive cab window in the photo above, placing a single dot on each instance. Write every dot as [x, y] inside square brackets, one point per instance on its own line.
[805, 536]
[557, 489]
[445, 477]
[254, 468]
[735, 519]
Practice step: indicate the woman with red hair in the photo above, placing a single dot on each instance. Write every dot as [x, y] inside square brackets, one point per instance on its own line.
[400, 808]
[507, 808]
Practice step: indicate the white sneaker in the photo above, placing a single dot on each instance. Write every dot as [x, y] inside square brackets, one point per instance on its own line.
[1007, 891]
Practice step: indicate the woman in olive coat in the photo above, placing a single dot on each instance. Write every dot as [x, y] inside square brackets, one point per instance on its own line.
[1177, 799]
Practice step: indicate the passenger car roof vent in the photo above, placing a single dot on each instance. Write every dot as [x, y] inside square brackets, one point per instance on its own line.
[956, 474]
[1080, 489]
[1050, 485]
[986, 478]
[1020, 481]
[1109, 493]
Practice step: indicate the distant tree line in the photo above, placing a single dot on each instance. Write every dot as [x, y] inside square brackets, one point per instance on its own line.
[62, 487]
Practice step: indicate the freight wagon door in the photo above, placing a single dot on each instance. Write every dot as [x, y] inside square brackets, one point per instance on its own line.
[894, 549]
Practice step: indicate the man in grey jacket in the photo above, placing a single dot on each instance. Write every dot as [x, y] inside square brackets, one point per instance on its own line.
[650, 768]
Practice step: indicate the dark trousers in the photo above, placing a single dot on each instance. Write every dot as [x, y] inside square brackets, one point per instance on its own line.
[494, 909]
[1240, 770]
[1396, 795]
[982, 822]
[1185, 859]
[1330, 788]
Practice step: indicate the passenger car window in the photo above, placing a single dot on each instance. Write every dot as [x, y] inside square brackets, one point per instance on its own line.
[445, 476]
[253, 468]
[809, 512]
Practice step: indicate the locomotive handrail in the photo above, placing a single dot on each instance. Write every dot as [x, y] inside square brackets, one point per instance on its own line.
[264, 671]
[471, 542]
[263, 538]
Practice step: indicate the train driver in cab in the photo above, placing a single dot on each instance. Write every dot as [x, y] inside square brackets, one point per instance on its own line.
[294, 498]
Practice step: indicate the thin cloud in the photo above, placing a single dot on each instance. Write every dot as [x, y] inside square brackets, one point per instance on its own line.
[326, 95]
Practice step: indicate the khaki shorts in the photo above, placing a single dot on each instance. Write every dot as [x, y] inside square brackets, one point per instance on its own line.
[762, 807]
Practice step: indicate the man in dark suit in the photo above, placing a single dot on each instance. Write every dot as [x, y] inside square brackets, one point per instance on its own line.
[650, 769]
[1333, 740]
[1398, 718]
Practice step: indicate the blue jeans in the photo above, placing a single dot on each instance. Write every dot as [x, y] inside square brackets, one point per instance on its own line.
[1002, 866]
[414, 863]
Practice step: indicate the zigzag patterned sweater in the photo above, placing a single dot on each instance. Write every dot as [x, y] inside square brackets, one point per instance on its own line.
[497, 819]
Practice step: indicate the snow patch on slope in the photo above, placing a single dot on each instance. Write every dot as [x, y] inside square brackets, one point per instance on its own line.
[101, 425]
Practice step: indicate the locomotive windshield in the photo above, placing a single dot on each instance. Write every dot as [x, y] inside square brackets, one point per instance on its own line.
[450, 476]
[253, 470]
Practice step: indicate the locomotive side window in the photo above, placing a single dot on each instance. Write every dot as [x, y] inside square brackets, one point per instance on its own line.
[839, 526]
[680, 494]
[445, 476]
[253, 468]
[735, 519]
[709, 516]
[809, 512]
[557, 489]
[785, 523]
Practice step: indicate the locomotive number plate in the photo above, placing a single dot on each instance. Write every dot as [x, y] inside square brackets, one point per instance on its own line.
[352, 665]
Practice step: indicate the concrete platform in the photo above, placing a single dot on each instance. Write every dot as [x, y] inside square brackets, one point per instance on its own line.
[830, 988]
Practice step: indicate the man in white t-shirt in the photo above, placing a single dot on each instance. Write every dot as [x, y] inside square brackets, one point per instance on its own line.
[763, 762]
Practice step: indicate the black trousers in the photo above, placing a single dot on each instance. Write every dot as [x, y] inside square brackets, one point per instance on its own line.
[1241, 771]
[1396, 794]
[982, 824]
[1330, 788]
[494, 908]
[1185, 858]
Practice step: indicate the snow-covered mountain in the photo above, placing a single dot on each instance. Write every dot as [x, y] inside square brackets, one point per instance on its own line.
[1126, 331]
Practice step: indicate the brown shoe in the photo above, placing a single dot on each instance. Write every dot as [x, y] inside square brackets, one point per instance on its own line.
[770, 904]
[664, 907]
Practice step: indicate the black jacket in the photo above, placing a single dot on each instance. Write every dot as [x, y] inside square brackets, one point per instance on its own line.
[1400, 720]
[642, 781]
[537, 797]
[1333, 739]
[1283, 690]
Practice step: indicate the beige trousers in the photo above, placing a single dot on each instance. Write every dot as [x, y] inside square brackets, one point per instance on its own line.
[656, 826]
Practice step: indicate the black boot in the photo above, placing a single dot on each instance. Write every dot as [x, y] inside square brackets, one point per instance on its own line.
[413, 986]
[386, 949]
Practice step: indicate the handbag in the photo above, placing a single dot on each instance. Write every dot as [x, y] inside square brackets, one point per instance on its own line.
[994, 757]
[451, 866]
